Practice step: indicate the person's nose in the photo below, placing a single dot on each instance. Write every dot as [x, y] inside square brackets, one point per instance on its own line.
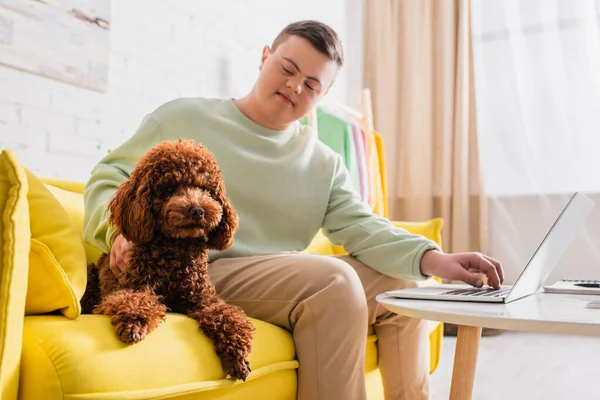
[295, 83]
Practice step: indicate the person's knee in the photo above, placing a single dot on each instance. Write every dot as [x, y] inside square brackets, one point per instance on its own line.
[340, 286]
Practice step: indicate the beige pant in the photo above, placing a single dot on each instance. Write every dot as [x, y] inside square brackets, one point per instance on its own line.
[327, 303]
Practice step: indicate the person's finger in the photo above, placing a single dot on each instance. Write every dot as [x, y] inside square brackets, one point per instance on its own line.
[120, 261]
[498, 267]
[489, 270]
[112, 261]
[123, 263]
[113, 265]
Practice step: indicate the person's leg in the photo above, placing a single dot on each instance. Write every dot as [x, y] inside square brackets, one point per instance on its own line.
[403, 342]
[320, 300]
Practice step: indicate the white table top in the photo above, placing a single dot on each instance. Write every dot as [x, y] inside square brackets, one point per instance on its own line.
[540, 312]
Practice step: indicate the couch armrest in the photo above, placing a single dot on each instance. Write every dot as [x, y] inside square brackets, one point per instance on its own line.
[15, 236]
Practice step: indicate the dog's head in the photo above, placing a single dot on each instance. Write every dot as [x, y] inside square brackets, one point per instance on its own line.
[175, 190]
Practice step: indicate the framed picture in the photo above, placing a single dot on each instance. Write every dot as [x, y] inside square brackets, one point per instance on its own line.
[66, 40]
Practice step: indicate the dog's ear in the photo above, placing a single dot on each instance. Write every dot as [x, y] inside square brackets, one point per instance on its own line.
[221, 237]
[130, 212]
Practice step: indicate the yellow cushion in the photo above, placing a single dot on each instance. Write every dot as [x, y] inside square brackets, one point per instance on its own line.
[83, 359]
[14, 253]
[70, 186]
[70, 196]
[57, 262]
[431, 229]
[320, 245]
[371, 357]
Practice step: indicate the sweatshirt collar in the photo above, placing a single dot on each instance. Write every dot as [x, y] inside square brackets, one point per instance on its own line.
[257, 128]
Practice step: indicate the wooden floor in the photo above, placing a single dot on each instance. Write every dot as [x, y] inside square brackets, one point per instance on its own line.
[515, 366]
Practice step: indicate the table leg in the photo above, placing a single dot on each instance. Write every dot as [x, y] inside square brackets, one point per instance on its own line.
[465, 361]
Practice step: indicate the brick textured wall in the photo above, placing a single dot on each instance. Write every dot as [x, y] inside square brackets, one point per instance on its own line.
[159, 50]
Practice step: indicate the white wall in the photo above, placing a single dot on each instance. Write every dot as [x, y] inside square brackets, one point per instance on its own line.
[159, 50]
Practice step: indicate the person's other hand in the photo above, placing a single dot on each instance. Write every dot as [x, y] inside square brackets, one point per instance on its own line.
[118, 256]
[463, 267]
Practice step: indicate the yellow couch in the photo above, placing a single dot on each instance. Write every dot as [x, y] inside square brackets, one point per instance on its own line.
[61, 354]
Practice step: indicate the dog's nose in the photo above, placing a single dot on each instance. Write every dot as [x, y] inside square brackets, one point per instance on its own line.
[197, 212]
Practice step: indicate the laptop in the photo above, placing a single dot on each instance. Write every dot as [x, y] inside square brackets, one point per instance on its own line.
[560, 236]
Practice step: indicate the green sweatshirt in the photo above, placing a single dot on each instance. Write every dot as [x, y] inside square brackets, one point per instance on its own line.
[336, 134]
[284, 185]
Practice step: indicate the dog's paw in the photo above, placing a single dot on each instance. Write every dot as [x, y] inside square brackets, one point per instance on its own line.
[131, 332]
[239, 351]
[235, 359]
[237, 368]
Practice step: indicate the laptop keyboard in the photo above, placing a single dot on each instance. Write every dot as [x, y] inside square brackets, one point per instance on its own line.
[487, 292]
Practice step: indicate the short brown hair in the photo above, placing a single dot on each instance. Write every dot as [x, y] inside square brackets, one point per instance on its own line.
[321, 36]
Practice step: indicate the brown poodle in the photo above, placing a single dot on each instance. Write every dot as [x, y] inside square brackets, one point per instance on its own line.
[172, 209]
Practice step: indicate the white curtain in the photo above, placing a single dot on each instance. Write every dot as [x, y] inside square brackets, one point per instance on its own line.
[537, 90]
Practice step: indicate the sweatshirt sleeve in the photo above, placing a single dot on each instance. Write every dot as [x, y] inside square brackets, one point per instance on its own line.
[373, 240]
[106, 177]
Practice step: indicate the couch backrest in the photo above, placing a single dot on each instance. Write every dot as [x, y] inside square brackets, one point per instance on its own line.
[70, 195]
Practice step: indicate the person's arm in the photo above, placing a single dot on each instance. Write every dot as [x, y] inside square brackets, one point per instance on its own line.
[393, 251]
[108, 174]
[373, 240]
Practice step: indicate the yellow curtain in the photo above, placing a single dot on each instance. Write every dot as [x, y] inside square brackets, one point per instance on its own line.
[418, 65]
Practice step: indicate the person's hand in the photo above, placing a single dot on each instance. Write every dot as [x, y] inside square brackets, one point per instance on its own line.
[118, 256]
[463, 267]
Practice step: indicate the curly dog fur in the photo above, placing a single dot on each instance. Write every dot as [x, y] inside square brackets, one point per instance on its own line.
[173, 209]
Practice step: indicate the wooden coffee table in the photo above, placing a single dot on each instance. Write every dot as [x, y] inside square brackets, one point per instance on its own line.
[541, 312]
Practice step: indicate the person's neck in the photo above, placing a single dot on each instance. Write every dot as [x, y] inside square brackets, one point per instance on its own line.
[250, 108]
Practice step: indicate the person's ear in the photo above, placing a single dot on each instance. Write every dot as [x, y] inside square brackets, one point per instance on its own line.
[265, 54]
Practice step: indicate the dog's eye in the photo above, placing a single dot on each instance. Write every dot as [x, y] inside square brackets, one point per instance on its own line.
[169, 189]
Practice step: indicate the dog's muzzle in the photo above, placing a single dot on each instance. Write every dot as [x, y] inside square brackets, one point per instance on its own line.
[196, 212]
